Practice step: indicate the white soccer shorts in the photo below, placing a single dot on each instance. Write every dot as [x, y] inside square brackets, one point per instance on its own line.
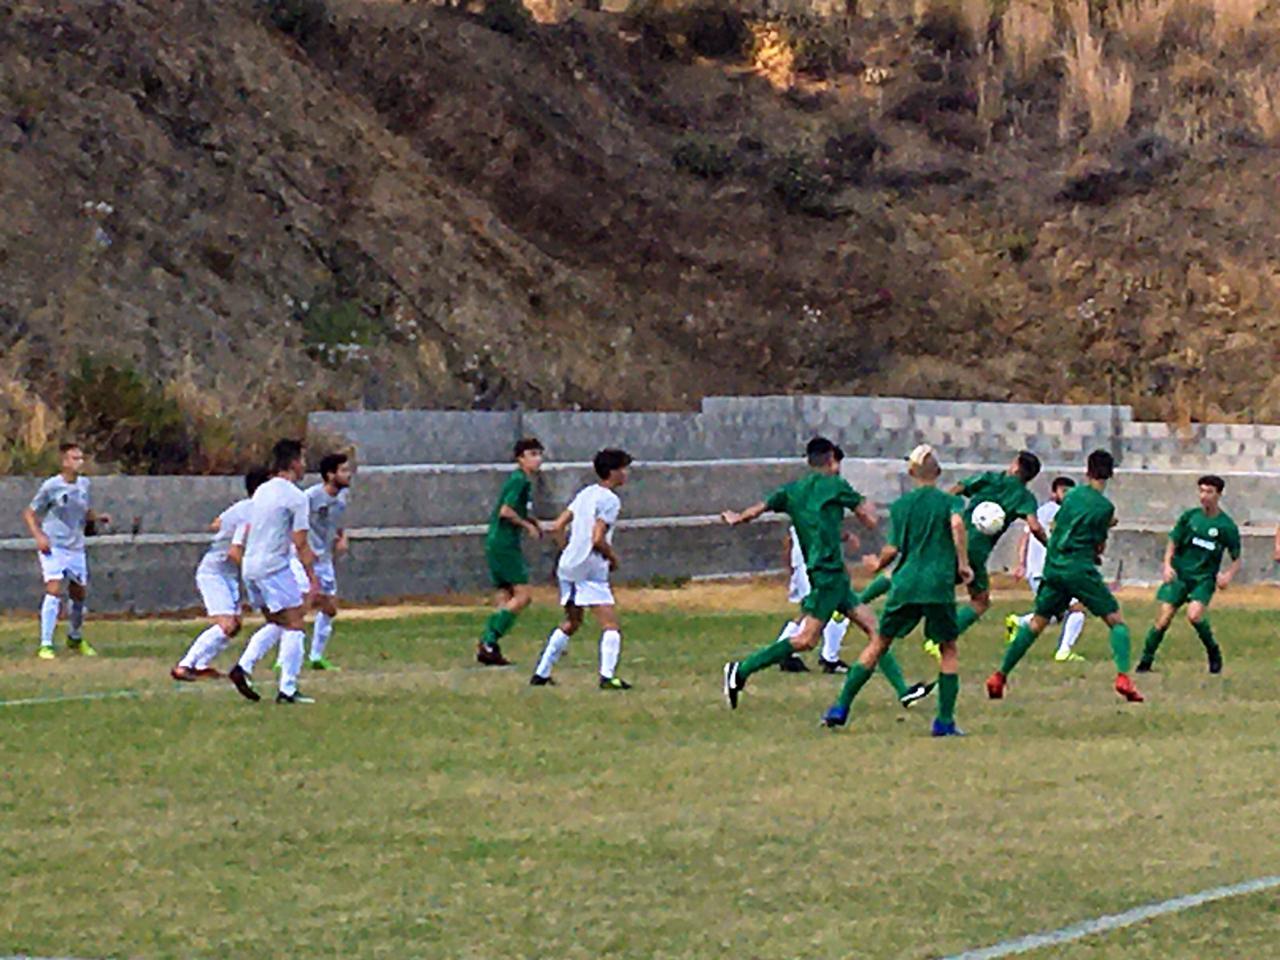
[220, 593]
[586, 593]
[63, 564]
[798, 588]
[324, 574]
[275, 592]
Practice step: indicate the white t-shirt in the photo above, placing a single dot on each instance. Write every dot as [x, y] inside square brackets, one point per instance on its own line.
[278, 510]
[580, 561]
[63, 509]
[1035, 551]
[230, 521]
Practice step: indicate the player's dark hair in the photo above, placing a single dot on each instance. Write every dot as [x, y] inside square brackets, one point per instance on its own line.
[1028, 466]
[330, 463]
[69, 445]
[285, 454]
[609, 460]
[1212, 480]
[254, 479]
[526, 444]
[1062, 483]
[1101, 465]
[838, 453]
[819, 451]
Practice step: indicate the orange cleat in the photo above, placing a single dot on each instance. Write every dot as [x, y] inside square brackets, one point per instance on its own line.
[995, 686]
[1126, 689]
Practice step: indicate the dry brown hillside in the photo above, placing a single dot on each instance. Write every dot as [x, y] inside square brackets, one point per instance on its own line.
[217, 215]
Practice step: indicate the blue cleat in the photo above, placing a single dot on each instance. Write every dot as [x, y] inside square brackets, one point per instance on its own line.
[948, 729]
[837, 716]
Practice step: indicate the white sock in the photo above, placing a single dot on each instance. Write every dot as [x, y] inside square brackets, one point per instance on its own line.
[1071, 630]
[259, 646]
[320, 634]
[204, 648]
[610, 650]
[49, 609]
[789, 630]
[1025, 619]
[291, 645]
[76, 619]
[556, 644]
[832, 638]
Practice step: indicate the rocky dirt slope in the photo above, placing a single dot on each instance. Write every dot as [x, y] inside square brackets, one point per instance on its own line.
[214, 216]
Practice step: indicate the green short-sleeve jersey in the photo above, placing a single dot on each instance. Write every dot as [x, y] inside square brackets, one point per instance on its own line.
[1080, 528]
[517, 493]
[920, 527]
[1199, 541]
[1002, 488]
[816, 505]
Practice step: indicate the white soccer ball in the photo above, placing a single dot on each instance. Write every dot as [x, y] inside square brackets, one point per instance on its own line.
[988, 518]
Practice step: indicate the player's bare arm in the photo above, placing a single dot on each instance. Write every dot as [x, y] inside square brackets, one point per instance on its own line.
[735, 517]
[341, 544]
[600, 543]
[507, 514]
[1169, 573]
[866, 514]
[960, 538]
[92, 516]
[875, 562]
[1036, 529]
[1024, 544]
[308, 560]
[1227, 575]
[33, 527]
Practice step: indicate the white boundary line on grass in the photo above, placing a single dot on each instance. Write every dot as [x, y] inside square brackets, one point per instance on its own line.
[68, 698]
[1115, 921]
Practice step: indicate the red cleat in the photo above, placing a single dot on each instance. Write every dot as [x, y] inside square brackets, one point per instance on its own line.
[185, 674]
[1126, 689]
[207, 673]
[995, 686]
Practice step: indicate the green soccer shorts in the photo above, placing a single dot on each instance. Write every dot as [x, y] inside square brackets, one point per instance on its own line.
[507, 568]
[979, 553]
[1057, 591]
[1187, 591]
[829, 595]
[899, 619]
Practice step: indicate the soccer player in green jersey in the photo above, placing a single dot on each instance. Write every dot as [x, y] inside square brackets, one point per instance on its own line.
[507, 568]
[927, 539]
[1008, 488]
[816, 505]
[1080, 532]
[1192, 561]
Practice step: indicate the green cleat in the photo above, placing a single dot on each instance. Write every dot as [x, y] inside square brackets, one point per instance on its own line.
[932, 649]
[81, 646]
[320, 663]
[1011, 624]
[46, 653]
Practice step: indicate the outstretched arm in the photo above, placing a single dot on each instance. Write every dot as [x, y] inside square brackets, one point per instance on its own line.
[733, 517]
[1036, 529]
[866, 514]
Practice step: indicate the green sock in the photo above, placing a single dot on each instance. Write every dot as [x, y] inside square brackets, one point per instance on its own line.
[775, 652]
[853, 682]
[875, 589]
[1155, 637]
[948, 693]
[892, 671]
[966, 618]
[1120, 647]
[1205, 633]
[496, 627]
[1022, 642]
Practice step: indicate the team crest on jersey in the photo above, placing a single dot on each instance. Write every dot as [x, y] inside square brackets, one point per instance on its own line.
[1213, 531]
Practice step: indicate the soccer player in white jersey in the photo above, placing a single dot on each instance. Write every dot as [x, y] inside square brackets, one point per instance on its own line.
[279, 518]
[218, 580]
[584, 568]
[57, 518]
[328, 539]
[1031, 555]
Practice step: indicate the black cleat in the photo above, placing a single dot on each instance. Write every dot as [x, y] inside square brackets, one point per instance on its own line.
[296, 697]
[1215, 661]
[731, 685]
[243, 684]
[490, 655]
[614, 683]
[833, 666]
[1144, 666]
[537, 681]
[793, 664]
[916, 692]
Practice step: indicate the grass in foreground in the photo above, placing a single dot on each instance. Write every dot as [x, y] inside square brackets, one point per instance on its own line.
[428, 808]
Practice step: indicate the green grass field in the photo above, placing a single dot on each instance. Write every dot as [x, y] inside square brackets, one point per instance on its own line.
[425, 807]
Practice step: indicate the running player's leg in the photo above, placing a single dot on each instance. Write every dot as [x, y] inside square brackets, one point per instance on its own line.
[326, 607]
[558, 640]
[833, 635]
[606, 615]
[510, 575]
[893, 623]
[1072, 627]
[50, 607]
[1170, 596]
[1052, 601]
[78, 594]
[1198, 617]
